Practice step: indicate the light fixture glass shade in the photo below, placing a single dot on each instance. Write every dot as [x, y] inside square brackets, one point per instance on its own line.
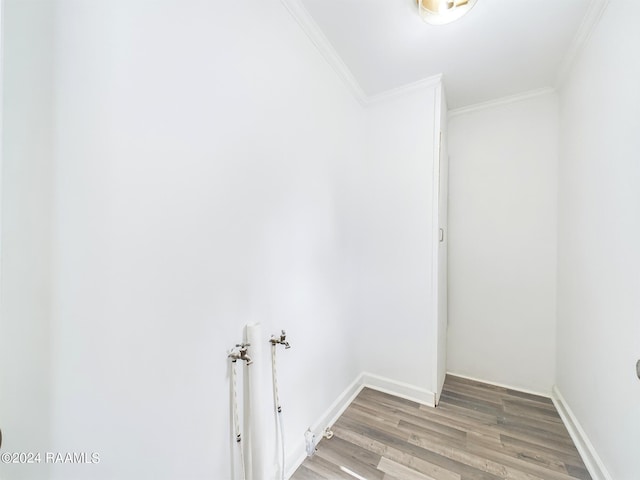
[440, 12]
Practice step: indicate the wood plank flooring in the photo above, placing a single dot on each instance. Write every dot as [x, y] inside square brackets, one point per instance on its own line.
[478, 432]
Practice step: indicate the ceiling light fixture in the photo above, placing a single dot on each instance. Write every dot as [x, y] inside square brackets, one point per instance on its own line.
[440, 12]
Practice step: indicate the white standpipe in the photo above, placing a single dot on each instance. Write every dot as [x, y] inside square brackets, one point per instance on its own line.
[253, 405]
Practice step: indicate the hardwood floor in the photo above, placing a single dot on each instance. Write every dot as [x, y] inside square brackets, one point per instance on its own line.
[478, 432]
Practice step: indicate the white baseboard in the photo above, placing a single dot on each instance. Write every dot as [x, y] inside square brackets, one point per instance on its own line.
[588, 453]
[337, 408]
[327, 419]
[399, 389]
[501, 385]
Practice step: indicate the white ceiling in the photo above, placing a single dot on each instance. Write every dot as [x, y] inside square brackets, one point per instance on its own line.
[500, 48]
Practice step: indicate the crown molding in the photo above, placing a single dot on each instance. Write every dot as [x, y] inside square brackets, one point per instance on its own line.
[500, 101]
[589, 22]
[302, 16]
[429, 82]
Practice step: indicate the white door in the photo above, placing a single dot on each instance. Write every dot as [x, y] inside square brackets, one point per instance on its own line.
[443, 241]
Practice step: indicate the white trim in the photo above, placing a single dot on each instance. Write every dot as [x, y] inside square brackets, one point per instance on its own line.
[501, 385]
[429, 82]
[435, 236]
[590, 457]
[328, 418]
[398, 389]
[309, 26]
[500, 101]
[337, 408]
[302, 16]
[589, 22]
[324, 46]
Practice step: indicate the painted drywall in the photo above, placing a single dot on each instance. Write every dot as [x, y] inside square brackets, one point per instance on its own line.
[206, 160]
[394, 262]
[26, 233]
[192, 183]
[598, 237]
[502, 243]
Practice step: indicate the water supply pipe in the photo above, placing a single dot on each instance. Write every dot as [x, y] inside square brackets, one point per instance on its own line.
[275, 341]
[235, 354]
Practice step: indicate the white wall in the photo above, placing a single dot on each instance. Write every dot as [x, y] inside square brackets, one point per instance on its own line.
[598, 238]
[205, 162]
[198, 169]
[397, 337]
[502, 243]
[26, 232]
